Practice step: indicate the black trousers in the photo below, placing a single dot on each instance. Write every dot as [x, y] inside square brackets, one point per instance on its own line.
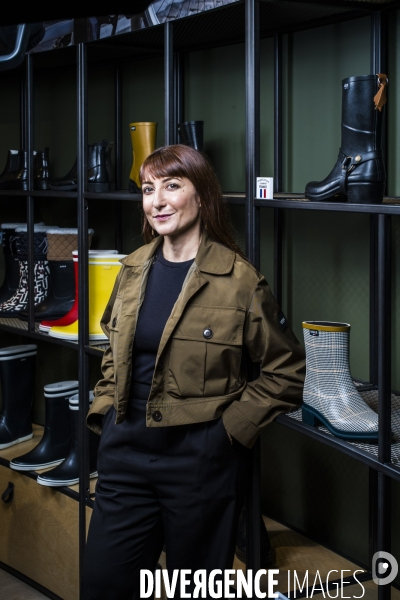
[180, 486]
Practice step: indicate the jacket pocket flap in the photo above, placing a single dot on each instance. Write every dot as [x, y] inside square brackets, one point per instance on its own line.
[212, 324]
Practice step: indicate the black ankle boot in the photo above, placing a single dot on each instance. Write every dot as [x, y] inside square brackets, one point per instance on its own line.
[98, 180]
[11, 164]
[17, 179]
[191, 134]
[41, 173]
[17, 375]
[359, 173]
[55, 443]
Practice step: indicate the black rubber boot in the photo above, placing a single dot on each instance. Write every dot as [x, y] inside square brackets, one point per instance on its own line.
[41, 173]
[17, 376]
[98, 169]
[19, 301]
[18, 178]
[11, 164]
[11, 261]
[191, 134]
[67, 473]
[268, 557]
[98, 180]
[67, 182]
[61, 290]
[359, 173]
[54, 445]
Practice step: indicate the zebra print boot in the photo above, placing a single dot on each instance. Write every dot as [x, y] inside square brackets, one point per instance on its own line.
[330, 397]
[19, 300]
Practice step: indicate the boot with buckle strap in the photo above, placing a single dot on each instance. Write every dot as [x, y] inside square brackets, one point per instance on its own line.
[359, 173]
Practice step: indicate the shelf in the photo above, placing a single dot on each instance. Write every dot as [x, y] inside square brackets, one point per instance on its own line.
[19, 327]
[390, 205]
[364, 452]
[38, 194]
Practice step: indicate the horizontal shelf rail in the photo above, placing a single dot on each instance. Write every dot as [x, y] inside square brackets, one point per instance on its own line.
[390, 205]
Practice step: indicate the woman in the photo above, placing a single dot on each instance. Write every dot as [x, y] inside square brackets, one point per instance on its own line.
[174, 406]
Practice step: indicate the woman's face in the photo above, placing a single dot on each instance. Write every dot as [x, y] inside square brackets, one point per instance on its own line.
[171, 205]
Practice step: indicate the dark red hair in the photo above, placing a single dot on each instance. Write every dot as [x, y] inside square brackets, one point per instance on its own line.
[184, 161]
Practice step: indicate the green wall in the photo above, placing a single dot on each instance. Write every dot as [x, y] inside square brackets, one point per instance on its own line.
[326, 255]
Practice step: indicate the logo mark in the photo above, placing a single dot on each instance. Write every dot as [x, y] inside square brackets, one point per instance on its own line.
[384, 568]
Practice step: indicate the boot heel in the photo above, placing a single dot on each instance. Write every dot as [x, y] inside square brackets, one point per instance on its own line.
[366, 193]
[308, 417]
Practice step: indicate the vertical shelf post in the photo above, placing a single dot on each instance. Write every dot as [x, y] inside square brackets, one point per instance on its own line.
[169, 88]
[30, 206]
[380, 333]
[278, 167]
[118, 155]
[252, 74]
[83, 296]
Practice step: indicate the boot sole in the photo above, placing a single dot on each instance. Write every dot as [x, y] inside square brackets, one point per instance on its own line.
[18, 441]
[26, 467]
[313, 418]
[60, 482]
[361, 193]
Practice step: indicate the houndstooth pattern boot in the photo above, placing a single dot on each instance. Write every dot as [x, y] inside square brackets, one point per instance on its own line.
[330, 397]
[19, 300]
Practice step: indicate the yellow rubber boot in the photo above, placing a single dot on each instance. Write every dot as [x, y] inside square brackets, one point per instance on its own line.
[103, 270]
[143, 138]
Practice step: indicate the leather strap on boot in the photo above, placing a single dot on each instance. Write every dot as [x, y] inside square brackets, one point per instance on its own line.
[349, 163]
[380, 96]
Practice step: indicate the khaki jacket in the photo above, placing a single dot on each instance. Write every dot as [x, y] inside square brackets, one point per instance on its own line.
[201, 367]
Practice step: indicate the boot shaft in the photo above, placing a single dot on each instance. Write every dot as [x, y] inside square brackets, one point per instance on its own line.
[143, 139]
[191, 134]
[12, 162]
[17, 377]
[361, 121]
[41, 170]
[57, 417]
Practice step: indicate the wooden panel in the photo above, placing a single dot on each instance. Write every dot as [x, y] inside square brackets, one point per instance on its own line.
[39, 534]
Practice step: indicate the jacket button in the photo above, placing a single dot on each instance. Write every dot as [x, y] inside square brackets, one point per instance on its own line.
[114, 322]
[157, 416]
[207, 333]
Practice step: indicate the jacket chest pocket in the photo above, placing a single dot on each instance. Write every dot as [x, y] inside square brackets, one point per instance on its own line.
[205, 354]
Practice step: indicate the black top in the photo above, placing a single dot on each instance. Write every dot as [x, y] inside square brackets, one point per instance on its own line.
[163, 288]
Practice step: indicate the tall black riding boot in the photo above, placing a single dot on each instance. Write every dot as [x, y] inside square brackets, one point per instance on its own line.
[54, 445]
[61, 291]
[19, 301]
[359, 173]
[191, 134]
[11, 260]
[267, 551]
[67, 473]
[17, 377]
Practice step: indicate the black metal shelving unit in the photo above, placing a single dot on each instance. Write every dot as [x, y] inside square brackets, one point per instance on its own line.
[244, 21]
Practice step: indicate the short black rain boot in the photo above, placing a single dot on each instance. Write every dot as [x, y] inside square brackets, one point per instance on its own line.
[97, 171]
[19, 301]
[41, 172]
[54, 445]
[61, 291]
[268, 557]
[17, 378]
[359, 173]
[191, 133]
[11, 261]
[67, 473]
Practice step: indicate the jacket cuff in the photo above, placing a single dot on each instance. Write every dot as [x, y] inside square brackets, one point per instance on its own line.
[239, 427]
[94, 418]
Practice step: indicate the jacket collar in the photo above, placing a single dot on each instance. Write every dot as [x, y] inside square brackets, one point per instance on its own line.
[211, 256]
